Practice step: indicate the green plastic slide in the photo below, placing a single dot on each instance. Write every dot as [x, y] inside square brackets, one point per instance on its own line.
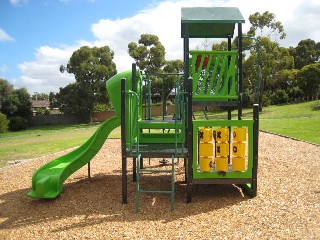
[47, 181]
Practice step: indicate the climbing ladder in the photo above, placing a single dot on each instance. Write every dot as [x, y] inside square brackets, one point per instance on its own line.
[141, 170]
[151, 138]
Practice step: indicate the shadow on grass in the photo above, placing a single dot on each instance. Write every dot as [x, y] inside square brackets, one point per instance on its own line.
[98, 200]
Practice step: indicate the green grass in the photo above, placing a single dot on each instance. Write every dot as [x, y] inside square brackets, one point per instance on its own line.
[39, 141]
[300, 121]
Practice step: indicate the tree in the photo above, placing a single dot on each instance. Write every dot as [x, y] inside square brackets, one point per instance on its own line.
[223, 46]
[309, 80]
[6, 90]
[18, 104]
[40, 96]
[149, 53]
[53, 102]
[18, 108]
[285, 80]
[73, 98]
[273, 59]
[92, 67]
[4, 123]
[265, 22]
[24, 107]
[307, 52]
[164, 84]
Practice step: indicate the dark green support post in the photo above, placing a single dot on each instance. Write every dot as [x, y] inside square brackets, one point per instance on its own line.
[89, 170]
[189, 142]
[134, 81]
[229, 49]
[134, 169]
[240, 86]
[255, 149]
[123, 141]
[188, 88]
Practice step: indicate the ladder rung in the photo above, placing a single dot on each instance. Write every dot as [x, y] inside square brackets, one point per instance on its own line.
[155, 171]
[155, 191]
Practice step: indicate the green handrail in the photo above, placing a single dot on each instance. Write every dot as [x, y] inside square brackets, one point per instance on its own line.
[132, 93]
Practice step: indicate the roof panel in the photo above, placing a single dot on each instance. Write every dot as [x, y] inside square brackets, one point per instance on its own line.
[215, 22]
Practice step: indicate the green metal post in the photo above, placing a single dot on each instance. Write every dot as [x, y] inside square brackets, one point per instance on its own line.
[240, 86]
[172, 184]
[149, 99]
[255, 149]
[123, 141]
[138, 186]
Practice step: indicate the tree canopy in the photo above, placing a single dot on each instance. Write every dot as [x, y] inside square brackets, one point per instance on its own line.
[266, 21]
[307, 52]
[92, 67]
[148, 53]
[6, 90]
[309, 80]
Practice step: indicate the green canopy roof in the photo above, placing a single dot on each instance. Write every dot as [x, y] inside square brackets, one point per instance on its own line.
[210, 22]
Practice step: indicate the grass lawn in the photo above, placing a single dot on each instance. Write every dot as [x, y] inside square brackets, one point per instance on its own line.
[300, 121]
[38, 141]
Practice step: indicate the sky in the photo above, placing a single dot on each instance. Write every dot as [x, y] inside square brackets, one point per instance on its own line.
[37, 36]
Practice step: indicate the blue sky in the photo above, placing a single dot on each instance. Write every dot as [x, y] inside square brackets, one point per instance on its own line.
[34, 23]
[37, 36]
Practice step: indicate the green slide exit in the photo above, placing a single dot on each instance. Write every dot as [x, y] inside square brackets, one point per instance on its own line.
[47, 181]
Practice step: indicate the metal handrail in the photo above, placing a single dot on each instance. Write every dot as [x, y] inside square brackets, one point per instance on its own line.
[132, 93]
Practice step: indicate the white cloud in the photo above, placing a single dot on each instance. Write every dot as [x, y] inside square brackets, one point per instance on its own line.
[18, 2]
[299, 17]
[5, 36]
[162, 20]
[42, 75]
[3, 68]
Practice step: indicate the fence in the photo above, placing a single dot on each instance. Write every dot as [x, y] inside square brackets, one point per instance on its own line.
[55, 119]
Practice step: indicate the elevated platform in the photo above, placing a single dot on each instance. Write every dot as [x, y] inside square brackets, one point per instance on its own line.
[152, 150]
[159, 124]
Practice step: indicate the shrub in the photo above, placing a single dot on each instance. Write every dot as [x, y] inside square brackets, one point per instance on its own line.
[43, 112]
[100, 107]
[265, 101]
[18, 123]
[4, 123]
[279, 97]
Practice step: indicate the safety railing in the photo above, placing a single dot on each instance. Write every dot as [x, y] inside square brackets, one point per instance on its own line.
[133, 117]
[180, 116]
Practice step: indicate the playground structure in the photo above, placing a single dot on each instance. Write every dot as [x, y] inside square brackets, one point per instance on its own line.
[214, 151]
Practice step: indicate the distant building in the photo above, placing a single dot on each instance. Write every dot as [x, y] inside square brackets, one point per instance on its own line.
[39, 105]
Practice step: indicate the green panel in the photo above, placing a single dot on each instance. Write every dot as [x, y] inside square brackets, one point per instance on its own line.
[159, 125]
[222, 123]
[210, 22]
[160, 138]
[47, 181]
[214, 75]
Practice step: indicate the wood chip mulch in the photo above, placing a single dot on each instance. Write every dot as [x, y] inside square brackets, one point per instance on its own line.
[287, 205]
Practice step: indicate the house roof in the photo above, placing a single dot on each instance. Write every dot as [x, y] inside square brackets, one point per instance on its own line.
[40, 103]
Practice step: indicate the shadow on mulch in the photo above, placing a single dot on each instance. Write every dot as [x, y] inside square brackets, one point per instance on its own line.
[97, 200]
